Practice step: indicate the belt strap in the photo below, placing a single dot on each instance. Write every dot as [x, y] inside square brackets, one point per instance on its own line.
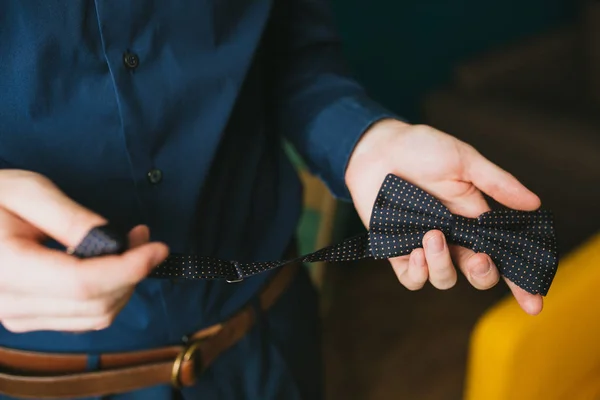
[52, 376]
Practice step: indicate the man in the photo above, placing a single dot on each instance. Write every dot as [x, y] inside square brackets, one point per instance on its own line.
[167, 118]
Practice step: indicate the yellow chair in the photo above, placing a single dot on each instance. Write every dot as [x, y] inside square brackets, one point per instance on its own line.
[555, 355]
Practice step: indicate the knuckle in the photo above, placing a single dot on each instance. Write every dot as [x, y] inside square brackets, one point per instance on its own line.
[33, 183]
[441, 266]
[40, 180]
[80, 289]
[104, 308]
[487, 281]
[423, 129]
[103, 322]
[431, 233]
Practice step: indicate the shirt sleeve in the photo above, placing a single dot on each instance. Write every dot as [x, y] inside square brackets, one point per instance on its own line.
[318, 106]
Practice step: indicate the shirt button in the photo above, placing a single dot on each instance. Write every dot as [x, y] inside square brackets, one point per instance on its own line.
[155, 176]
[131, 60]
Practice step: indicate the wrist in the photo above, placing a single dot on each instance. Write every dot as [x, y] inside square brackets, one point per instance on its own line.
[372, 147]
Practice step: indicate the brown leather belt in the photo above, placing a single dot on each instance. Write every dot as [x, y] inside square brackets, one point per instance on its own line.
[59, 376]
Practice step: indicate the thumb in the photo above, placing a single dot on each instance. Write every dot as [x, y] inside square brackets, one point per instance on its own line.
[36, 200]
[499, 184]
[138, 236]
[142, 260]
[122, 270]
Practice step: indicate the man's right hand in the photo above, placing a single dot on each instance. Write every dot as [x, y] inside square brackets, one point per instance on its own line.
[48, 289]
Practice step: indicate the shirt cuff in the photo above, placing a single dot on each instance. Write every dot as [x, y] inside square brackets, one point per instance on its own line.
[342, 125]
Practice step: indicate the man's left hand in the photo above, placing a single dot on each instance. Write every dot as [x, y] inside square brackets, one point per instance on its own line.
[456, 174]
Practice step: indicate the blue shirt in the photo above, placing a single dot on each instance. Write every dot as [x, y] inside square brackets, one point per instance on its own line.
[172, 114]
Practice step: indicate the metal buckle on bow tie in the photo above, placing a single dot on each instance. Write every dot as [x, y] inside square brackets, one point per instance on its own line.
[238, 272]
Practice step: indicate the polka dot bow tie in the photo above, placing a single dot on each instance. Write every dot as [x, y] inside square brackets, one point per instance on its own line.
[521, 244]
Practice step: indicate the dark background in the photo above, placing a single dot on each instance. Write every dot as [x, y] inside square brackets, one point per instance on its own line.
[402, 49]
[381, 340]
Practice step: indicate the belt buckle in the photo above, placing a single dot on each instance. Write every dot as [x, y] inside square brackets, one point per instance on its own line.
[187, 354]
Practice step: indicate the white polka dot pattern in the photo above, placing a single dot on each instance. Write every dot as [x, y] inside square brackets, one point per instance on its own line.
[101, 240]
[196, 267]
[522, 244]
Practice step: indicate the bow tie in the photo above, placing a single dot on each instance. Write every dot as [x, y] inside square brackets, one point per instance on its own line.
[522, 244]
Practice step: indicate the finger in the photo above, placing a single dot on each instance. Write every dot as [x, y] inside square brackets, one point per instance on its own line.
[138, 236]
[38, 201]
[12, 226]
[418, 272]
[106, 274]
[75, 325]
[530, 303]
[442, 273]
[483, 274]
[34, 269]
[478, 268]
[411, 270]
[400, 267]
[469, 203]
[14, 306]
[499, 184]
[67, 324]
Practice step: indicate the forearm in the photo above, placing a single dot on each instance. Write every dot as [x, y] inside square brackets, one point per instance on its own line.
[320, 108]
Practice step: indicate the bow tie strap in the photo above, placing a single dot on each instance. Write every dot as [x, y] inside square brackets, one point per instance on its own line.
[521, 244]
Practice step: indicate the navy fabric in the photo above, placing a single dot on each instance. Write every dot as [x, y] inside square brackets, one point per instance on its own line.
[522, 244]
[187, 139]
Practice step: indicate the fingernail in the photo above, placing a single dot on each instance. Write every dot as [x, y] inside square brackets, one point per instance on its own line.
[482, 270]
[435, 244]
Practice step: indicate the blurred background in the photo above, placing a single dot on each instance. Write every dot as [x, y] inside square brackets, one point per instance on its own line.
[519, 80]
